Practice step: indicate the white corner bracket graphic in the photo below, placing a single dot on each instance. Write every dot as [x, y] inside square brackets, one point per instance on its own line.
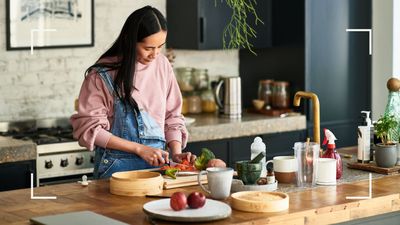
[369, 33]
[39, 197]
[364, 197]
[38, 30]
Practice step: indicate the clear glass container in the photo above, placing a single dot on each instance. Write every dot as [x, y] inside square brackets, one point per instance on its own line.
[208, 104]
[184, 76]
[265, 92]
[194, 103]
[185, 105]
[280, 95]
[200, 79]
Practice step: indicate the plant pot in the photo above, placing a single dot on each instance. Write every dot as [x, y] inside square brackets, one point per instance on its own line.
[386, 155]
[398, 154]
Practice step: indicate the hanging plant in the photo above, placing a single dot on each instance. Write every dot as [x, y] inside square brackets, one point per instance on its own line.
[238, 31]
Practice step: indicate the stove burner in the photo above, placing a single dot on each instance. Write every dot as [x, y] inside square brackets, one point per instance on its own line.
[43, 135]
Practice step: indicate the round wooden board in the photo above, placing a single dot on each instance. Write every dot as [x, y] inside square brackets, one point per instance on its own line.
[260, 201]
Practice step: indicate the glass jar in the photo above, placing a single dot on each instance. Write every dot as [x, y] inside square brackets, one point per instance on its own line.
[194, 103]
[208, 104]
[280, 95]
[185, 78]
[265, 92]
[185, 105]
[200, 79]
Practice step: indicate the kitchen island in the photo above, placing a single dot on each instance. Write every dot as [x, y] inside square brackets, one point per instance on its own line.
[320, 205]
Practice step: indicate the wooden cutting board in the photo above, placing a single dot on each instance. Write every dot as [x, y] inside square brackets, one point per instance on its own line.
[374, 168]
[183, 181]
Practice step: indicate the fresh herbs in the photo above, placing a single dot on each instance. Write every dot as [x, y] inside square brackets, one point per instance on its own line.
[238, 30]
[386, 129]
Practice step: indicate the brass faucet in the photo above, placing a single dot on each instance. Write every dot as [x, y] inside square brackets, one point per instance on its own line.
[315, 102]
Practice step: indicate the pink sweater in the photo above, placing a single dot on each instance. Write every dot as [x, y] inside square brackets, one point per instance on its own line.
[156, 91]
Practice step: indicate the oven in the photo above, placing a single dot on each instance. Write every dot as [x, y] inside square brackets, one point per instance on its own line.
[59, 158]
[63, 162]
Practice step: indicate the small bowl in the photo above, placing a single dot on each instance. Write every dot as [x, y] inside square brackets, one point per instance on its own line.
[248, 172]
[258, 104]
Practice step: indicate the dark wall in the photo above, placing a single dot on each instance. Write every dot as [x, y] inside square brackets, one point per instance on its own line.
[279, 63]
[338, 65]
[328, 61]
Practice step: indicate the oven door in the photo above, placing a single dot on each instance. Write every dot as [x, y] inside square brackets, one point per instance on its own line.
[62, 163]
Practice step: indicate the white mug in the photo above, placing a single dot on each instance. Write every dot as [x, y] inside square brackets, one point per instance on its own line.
[219, 182]
[285, 168]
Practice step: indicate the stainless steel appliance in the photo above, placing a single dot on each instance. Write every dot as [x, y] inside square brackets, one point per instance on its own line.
[230, 105]
[59, 159]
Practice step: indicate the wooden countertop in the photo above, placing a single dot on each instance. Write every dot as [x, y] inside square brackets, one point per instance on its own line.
[320, 205]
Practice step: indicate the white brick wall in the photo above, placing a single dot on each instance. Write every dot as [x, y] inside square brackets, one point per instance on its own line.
[45, 85]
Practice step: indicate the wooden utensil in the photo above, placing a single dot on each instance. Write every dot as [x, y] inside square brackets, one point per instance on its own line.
[183, 181]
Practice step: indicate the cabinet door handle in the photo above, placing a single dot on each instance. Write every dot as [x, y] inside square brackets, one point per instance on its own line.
[202, 28]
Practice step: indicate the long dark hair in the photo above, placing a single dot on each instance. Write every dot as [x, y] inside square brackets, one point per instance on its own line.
[140, 24]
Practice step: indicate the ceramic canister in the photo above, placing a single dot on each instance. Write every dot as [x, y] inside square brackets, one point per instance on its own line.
[326, 171]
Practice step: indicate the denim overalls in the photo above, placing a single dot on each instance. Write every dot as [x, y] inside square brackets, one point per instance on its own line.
[130, 124]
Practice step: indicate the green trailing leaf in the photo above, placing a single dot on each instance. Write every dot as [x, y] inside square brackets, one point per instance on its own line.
[238, 30]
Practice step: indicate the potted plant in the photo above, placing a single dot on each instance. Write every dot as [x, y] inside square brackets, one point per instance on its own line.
[386, 151]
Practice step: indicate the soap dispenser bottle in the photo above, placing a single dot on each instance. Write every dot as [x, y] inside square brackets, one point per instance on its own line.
[369, 124]
[364, 139]
[330, 152]
[256, 147]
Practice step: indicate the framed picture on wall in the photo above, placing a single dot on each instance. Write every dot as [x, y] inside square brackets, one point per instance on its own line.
[49, 24]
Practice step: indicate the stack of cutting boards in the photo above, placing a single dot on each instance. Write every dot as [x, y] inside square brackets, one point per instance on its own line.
[183, 181]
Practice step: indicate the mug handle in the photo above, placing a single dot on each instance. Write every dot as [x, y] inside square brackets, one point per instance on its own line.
[201, 185]
[266, 164]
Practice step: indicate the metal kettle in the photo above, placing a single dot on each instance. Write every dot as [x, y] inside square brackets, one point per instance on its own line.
[231, 103]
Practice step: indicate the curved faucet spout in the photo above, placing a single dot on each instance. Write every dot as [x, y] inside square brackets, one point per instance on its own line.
[315, 102]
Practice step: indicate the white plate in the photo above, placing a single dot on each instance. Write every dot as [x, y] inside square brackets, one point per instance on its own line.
[212, 210]
[189, 120]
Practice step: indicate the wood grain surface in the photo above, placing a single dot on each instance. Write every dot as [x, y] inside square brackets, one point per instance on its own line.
[374, 168]
[322, 205]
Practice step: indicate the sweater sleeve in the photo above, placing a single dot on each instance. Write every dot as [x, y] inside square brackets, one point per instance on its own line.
[175, 128]
[91, 123]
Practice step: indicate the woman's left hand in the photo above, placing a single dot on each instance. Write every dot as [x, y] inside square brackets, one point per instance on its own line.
[181, 156]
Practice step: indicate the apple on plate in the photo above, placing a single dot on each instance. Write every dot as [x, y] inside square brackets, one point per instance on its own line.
[178, 201]
[196, 200]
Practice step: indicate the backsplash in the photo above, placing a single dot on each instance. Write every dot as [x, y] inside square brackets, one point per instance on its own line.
[45, 84]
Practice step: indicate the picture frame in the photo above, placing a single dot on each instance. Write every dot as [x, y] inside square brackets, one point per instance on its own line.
[42, 24]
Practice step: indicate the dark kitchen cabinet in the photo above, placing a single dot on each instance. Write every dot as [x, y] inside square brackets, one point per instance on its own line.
[219, 147]
[330, 62]
[16, 175]
[199, 24]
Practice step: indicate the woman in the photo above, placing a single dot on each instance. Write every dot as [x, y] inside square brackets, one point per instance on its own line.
[129, 107]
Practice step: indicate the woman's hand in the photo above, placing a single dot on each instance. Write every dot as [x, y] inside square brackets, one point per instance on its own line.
[154, 156]
[181, 156]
